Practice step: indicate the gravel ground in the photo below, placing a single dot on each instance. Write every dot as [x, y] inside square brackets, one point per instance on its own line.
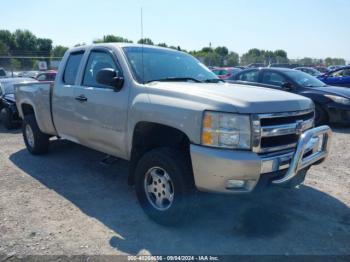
[67, 202]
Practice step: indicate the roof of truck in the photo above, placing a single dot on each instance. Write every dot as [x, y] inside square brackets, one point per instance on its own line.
[121, 45]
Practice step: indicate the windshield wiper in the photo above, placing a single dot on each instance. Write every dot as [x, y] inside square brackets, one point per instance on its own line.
[213, 80]
[175, 79]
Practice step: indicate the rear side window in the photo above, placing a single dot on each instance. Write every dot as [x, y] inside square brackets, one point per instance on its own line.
[250, 76]
[72, 66]
[274, 79]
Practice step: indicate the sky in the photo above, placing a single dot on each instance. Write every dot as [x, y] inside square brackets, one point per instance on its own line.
[312, 28]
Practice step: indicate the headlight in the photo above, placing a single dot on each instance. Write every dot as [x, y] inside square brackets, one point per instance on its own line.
[339, 99]
[226, 130]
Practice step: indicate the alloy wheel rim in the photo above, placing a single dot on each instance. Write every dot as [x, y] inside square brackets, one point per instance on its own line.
[159, 188]
[29, 135]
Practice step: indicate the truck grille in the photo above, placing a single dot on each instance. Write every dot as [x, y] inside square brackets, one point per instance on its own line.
[279, 131]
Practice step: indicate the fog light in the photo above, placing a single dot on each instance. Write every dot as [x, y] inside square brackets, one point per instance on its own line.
[233, 183]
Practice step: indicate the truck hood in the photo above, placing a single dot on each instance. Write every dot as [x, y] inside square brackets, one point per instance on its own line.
[233, 97]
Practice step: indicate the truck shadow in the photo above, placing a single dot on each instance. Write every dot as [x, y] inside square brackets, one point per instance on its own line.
[264, 223]
[16, 130]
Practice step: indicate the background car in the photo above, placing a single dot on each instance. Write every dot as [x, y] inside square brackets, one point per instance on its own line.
[255, 65]
[8, 110]
[2, 73]
[309, 70]
[339, 77]
[322, 69]
[332, 104]
[46, 76]
[226, 72]
[333, 67]
[280, 65]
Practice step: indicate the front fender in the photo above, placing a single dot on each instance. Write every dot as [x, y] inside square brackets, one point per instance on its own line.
[181, 115]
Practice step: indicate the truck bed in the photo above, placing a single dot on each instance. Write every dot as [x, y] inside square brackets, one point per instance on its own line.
[38, 95]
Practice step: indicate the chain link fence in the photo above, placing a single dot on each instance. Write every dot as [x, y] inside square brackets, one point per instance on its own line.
[27, 64]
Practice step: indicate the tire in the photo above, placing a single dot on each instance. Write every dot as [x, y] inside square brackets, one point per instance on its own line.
[6, 118]
[320, 115]
[36, 141]
[180, 188]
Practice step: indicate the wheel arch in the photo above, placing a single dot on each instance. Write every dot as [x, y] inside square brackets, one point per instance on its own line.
[150, 135]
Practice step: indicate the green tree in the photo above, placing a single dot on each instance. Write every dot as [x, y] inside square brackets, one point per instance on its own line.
[280, 53]
[306, 61]
[112, 39]
[221, 50]
[26, 45]
[25, 40]
[145, 41]
[207, 49]
[163, 45]
[232, 59]
[3, 48]
[44, 45]
[7, 38]
[15, 64]
[58, 51]
[339, 61]
[212, 59]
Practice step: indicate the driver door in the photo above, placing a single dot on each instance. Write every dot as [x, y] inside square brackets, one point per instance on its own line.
[101, 111]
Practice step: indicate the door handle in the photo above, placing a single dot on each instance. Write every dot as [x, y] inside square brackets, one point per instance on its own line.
[81, 98]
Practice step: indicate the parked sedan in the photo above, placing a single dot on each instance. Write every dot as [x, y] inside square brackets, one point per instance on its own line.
[226, 72]
[8, 111]
[332, 103]
[322, 69]
[339, 77]
[2, 73]
[309, 70]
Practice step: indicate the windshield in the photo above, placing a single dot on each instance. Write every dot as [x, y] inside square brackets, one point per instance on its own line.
[163, 64]
[303, 79]
[314, 72]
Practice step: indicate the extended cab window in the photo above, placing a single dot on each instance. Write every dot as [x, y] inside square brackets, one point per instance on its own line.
[98, 60]
[250, 76]
[274, 79]
[72, 67]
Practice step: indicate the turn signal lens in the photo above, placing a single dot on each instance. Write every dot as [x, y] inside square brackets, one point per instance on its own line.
[207, 138]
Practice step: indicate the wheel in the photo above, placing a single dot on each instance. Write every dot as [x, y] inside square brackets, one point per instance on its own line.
[6, 118]
[36, 141]
[320, 115]
[164, 186]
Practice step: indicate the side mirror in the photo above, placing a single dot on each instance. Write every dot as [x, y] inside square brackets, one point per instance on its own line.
[287, 86]
[110, 77]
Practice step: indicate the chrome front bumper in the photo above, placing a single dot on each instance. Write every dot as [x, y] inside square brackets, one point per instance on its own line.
[214, 168]
[316, 140]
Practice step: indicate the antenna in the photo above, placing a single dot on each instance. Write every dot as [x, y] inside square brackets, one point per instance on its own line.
[142, 42]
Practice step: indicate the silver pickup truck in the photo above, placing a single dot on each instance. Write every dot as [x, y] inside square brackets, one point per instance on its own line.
[181, 127]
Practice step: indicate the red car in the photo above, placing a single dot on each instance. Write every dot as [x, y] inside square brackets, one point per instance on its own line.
[226, 73]
[46, 76]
